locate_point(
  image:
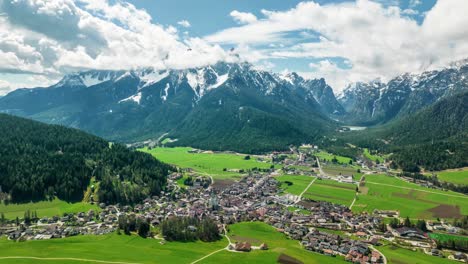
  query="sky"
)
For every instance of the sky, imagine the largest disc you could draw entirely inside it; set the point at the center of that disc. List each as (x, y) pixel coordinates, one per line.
(342, 41)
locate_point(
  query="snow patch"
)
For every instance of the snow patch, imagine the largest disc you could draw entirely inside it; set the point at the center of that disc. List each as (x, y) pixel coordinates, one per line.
(219, 81)
(135, 98)
(166, 92)
(153, 77)
(91, 80)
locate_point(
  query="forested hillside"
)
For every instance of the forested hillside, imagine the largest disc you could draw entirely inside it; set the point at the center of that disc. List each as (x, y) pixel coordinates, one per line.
(434, 138)
(40, 161)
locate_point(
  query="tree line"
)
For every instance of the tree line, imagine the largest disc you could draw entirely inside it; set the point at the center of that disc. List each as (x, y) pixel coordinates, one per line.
(186, 229)
(42, 161)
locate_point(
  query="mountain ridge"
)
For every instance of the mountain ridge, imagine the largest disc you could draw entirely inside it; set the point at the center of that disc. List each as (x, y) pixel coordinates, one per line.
(142, 104)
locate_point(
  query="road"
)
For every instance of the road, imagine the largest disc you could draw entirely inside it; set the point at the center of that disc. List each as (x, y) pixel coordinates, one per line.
(418, 190)
(322, 173)
(219, 250)
(70, 259)
(305, 190)
(384, 258)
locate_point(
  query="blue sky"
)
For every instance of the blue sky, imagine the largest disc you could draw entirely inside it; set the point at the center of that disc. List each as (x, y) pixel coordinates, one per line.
(343, 41)
(208, 16)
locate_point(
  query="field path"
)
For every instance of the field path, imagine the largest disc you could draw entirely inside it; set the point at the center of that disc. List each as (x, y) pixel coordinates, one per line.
(70, 259)
(351, 206)
(322, 173)
(305, 190)
(383, 256)
(418, 190)
(219, 250)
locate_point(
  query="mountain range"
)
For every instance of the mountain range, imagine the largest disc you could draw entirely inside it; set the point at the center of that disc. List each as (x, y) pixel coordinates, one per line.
(227, 105)
(377, 102)
(219, 106)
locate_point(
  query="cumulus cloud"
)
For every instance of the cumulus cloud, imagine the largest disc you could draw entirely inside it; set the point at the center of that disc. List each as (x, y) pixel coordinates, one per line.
(46, 39)
(243, 17)
(414, 3)
(184, 23)
(378, 40)
(4, 87)
(55, 37)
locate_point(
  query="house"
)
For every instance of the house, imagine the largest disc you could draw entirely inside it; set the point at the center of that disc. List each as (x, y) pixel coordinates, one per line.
(243, 246)
(460, 256)
(409, 232)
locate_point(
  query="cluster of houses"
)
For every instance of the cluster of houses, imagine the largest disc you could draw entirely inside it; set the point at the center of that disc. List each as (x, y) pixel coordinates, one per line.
(256, 197)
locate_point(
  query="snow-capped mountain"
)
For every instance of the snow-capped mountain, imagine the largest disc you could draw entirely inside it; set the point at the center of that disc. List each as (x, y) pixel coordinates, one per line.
(235, 102)
(377, 102)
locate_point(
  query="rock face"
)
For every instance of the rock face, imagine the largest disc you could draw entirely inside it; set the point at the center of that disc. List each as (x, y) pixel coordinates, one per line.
(221, 106)
(377, 102)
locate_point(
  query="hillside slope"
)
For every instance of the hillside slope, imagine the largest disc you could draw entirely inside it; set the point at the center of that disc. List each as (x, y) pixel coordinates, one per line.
(42, 161)
(434, 138)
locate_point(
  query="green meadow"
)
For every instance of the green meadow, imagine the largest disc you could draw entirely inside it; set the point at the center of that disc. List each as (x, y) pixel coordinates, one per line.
(404, 256)
(336, 170)
(322, 155)
(113, 247)
(45, 208)
(278, 243)
(331, 191)
(206, 163)
(445, 237)
(134, 249)
(459, 176)
(372, 157)
(390, 193)
(299, 183)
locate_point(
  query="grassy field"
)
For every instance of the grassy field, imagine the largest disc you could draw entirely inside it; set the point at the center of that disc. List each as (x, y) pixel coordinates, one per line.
(405, 256)
(122, 248)
(372, 157)
(205, 163)
(331, 191)
(257, 233)
(45, 208)
(336, 170)
(299, 183)
(445, 237)
(459, 176)
(109, 248)
(322, 155)
(390, 193)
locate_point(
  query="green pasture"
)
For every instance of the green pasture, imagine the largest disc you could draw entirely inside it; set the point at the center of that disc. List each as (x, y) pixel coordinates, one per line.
(412, 200)
(45, 208)
(299, 183)
(206, 163)
(331, 191)
(399, 255)
(459, 176)
(278, 243)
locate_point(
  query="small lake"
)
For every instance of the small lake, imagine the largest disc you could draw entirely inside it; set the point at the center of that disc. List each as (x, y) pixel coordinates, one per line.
(355, 128)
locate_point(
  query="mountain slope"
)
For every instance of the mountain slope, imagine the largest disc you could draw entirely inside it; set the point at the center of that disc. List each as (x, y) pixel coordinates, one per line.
(445, 119)
(434, 138)
(42, 161)
(377, 103)
(220, 106)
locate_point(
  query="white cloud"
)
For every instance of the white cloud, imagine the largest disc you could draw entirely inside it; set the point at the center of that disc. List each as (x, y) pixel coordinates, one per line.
(410, 12)
(184, 23)
(55, 37)
(414, 3)
(379, 41)
(5, 87)
(243, 17)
